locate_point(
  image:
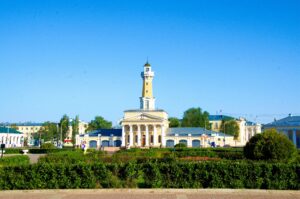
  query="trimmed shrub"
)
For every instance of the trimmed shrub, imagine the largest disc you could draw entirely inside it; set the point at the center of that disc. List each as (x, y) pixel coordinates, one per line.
(180, 145)
(152, 174)
(13, 151)
(47, 146)
(270, 145)
(14, 160)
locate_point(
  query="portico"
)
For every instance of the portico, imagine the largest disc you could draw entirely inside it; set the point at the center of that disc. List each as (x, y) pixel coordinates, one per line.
(144, 129)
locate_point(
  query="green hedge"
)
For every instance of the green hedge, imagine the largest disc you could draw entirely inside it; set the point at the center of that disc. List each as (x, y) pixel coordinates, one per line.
(14, 160)
(42, 151)
(224, 153)
(152, 174)
(13, 151)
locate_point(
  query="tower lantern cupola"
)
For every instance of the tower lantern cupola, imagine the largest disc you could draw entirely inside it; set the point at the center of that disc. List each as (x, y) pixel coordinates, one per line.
(147, 101)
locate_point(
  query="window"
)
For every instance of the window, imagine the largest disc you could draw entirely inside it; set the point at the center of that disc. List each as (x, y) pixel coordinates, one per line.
(159, 138)
(146, 91)
(147, 69)
(136, 138)
(151, 139)
(147, 83)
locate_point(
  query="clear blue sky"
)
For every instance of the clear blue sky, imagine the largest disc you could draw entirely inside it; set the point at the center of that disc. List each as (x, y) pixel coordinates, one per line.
(85, 57)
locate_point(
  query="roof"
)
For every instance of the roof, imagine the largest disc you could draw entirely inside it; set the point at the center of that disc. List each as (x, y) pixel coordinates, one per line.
(194, 131)
(219, 117)
(29, 124)
(143, 110)
(9, 130)
(105, 132)
(288, 121)
(147, 64)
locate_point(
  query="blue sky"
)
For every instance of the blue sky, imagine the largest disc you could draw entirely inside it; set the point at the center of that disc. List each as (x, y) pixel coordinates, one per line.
(85, 57)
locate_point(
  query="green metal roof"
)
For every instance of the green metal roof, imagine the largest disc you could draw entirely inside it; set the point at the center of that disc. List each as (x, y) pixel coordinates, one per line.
(9, 130)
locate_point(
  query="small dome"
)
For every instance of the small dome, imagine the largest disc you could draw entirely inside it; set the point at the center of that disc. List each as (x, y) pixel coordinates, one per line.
(147, 64)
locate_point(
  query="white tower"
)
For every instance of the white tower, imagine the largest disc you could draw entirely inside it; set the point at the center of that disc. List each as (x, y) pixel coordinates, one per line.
(147, 100)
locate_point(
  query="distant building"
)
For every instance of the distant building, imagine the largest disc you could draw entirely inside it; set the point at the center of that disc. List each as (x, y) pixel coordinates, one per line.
(11, 137)
(247, 128)
(100, 138)
(29, 129)
(290, 126)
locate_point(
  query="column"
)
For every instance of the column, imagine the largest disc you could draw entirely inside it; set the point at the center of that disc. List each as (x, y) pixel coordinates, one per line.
(86, 139)
(123, 136)
(139, 136)
(99, 141)
(131, 135)
(294, 137)
(76, 140)
(147, 136)
(189, 141)
(154, 135)
(163, 136)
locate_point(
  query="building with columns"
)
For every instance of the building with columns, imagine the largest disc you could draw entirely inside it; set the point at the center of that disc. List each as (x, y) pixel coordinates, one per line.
(11, 137)
(290, 126)
(149, 127)
(145, 127)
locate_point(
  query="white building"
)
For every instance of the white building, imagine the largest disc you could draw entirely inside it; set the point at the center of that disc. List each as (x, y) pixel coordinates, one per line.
(11, 137)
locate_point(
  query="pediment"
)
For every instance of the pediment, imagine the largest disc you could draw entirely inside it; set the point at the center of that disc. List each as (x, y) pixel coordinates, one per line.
(144, 117)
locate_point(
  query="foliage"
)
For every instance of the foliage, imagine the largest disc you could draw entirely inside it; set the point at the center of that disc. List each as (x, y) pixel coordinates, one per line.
(99, 123)
(152, 174)
(64, 127)
(47, 151)
(194, 117)
(174, 122)
(49, 131)
(14, 160)
(47, 146)
(180, 145)
(72, 157)
(13, 150)
(270, 145)
(230, 127)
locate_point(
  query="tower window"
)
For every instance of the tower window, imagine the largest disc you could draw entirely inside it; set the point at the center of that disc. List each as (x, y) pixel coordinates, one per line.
(147, 69)
(146, 91)
(147, 83)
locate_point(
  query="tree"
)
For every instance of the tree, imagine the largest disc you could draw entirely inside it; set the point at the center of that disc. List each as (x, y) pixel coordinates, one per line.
(230, 127)
(48, 131)
(194, 117)
(270, 145)
(64, 126)
(174, 122)
(99, 123)
(75, 128)
(14, 126)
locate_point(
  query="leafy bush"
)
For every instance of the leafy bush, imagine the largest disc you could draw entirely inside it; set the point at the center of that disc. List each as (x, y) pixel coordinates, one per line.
(55, 150)
(13, 151)
(47, 146)
(180, 145)
(153, 174)
(72, 157)
(14, 160)
(270, 145)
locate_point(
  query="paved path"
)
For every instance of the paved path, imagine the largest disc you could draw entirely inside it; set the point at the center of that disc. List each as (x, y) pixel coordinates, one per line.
(150, 194)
